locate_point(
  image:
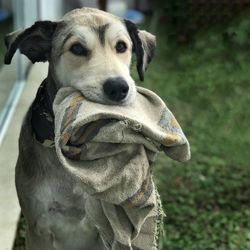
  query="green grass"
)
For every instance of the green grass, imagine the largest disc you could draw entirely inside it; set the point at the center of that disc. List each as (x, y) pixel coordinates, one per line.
(207, 86)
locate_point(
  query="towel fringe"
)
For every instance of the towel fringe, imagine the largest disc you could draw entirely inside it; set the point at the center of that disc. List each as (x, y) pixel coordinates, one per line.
(159, 221)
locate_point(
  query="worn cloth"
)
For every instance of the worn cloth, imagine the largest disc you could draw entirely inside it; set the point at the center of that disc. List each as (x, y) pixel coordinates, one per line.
(110, 150)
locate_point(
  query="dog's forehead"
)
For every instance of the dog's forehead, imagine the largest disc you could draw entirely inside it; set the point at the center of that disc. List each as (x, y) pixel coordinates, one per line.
(89, 17)
(82, 22)
(110, 29)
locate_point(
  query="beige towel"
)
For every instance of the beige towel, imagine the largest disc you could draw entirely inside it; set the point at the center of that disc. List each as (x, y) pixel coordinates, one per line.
(110, 150)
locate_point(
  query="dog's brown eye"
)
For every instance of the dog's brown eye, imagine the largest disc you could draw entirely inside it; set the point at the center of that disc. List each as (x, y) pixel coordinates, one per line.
(121, 47)
(79, 50)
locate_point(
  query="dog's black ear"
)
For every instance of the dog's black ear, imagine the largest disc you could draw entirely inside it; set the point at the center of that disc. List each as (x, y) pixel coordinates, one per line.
(144, 45)
(34, 42)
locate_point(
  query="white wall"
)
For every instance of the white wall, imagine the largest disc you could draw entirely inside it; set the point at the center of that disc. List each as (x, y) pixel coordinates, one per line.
(30, 11)
(50, 9)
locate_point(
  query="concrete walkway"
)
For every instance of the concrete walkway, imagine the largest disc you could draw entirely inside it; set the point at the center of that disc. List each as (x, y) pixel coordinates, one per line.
(7, 80)
(9, 207)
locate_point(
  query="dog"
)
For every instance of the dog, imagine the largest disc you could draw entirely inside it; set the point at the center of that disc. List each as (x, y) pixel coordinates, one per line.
(91, 51)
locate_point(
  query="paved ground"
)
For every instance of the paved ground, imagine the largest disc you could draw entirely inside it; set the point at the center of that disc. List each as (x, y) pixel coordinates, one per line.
(7, 80)
(9, 207)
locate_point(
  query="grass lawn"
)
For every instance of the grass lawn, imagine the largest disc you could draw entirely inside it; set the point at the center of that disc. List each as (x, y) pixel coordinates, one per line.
(207, 86)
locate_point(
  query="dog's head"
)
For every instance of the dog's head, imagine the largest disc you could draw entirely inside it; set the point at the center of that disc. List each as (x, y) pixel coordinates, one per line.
(89, 50)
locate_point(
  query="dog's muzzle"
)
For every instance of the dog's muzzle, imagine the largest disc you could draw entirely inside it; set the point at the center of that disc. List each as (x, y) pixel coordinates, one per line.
(116, 89)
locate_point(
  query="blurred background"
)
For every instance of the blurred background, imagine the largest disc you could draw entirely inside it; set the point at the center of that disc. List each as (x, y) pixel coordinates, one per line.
(202, 71)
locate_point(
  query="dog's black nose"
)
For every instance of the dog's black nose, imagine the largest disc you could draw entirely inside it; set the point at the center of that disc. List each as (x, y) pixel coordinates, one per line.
(116, 88)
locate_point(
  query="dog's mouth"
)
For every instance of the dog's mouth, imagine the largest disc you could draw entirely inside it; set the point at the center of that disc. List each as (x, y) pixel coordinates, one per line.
(102, 98)
(97, 98)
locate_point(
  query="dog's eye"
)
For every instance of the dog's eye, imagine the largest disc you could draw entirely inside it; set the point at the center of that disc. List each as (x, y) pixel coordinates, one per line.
(79, 50)
(121, 47)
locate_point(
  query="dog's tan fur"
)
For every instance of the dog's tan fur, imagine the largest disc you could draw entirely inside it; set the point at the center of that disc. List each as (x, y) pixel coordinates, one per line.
(88, 74)
(52, 203)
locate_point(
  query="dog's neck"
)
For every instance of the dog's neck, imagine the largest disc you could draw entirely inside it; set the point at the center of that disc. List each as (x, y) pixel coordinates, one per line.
(52, 85)
(42, 116)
